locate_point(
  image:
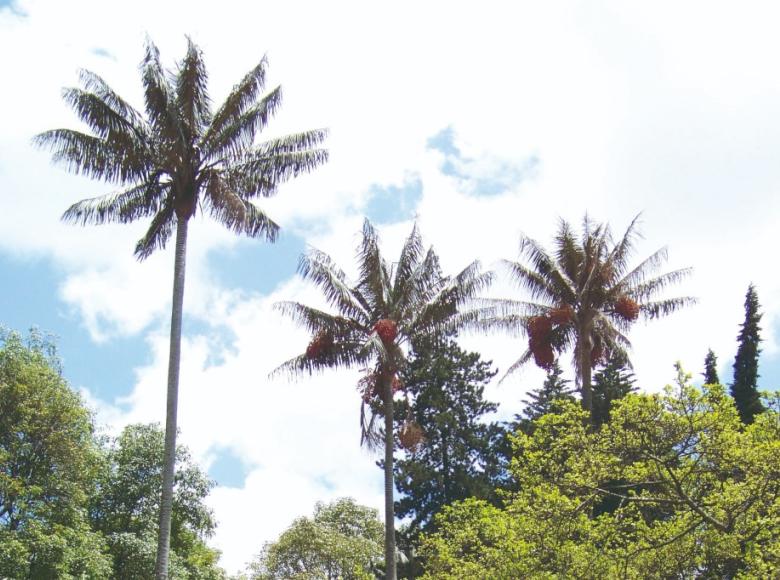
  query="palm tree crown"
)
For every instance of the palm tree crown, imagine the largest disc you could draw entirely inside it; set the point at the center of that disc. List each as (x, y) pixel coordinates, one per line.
(584, 296)
(182, 156)
(375, 321)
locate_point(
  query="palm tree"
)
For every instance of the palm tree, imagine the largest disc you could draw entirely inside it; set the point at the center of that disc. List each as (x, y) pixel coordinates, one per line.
(584, 297)
(182, 157)
(376, 320)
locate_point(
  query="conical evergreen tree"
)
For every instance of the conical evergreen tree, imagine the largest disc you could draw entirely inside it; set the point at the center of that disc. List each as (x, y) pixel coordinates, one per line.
(614, 381)
(541, 401)
(710, 373)
(744, 389)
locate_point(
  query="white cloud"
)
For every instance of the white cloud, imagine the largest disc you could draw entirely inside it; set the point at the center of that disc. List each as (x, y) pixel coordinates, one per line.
(667, 109)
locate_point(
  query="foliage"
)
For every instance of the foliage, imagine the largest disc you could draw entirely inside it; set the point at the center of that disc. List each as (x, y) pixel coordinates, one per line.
(710, 373)
(48, 460)
(385, 311)
(700, 497)
(610, 383)
(343, 540)
(744, 389)
(127, 503)
(586, 297)
(458, 456)
(182, 155)
(544, 400)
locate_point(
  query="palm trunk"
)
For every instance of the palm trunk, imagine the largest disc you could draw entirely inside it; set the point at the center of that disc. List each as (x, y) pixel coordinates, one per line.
(584, 349)
(387, 390)
(174, 360)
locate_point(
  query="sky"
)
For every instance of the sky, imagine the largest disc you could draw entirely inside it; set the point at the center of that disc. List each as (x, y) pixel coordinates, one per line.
(479, 121)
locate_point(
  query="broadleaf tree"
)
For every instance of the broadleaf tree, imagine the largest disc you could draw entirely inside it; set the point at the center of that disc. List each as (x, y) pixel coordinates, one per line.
(180, 157)
(48, 463)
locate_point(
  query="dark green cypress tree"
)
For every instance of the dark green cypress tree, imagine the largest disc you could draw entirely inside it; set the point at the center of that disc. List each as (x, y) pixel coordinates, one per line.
(710, 373)
(541, 401)
(612, 382)
(744, 389)
(459, 456)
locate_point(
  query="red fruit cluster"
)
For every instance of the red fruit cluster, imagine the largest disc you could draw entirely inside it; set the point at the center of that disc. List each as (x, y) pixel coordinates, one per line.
(562, 315)
(627, 308)
(387, 330)
(410, 435)
(544, 355)
(320, 344)
(539, 329)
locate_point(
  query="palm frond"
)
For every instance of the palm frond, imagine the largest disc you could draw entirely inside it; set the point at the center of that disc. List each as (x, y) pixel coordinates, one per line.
(314, 321)
(556, 287)
(159, 99)
(237, 136)
(371, 433)
(93, 83)
(320, 268)
(618, 257)
(650, 264)
(143, 200)
(258, 174)
(159, 232)
(649, 288)
(243, 95)
(517, 365)
(192, 95)
(408, 262)
(568, 253)
(659, 308)
(238, 215)
(121, 128)
(94, 157)
(373, 283)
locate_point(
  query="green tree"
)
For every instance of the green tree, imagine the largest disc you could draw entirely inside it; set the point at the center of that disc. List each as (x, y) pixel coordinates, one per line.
(388, 309)
(610, 383)
(48, 463)
(744, 389)
(342, 541)
(711, 369)
(585, 297)
(544, 399)
(181, 157)
(456, 457)
(127, 502)
(700, 498)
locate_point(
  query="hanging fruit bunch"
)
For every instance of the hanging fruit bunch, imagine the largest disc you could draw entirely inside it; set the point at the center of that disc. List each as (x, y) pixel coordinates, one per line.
(319, 345)
(562, 315)
(387, 330)
(410, 435)
(539, 341)
(627, 308)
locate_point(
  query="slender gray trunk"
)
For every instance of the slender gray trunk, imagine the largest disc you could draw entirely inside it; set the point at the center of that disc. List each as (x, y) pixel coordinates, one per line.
(387, 390)
(174, 359)
(585, 347)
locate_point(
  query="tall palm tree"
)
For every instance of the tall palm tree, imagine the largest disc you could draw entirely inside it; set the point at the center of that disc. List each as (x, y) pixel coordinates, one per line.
(180, 158)
(376, 320)
(584, 296)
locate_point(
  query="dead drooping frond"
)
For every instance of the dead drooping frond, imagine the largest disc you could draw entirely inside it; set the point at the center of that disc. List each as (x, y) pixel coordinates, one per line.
(180, 155)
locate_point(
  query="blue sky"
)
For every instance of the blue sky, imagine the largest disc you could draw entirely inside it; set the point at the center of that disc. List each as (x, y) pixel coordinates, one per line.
(545, 112)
